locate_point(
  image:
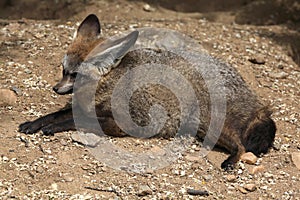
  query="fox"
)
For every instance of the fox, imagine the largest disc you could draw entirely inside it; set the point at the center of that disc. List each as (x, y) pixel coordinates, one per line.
(248, 126)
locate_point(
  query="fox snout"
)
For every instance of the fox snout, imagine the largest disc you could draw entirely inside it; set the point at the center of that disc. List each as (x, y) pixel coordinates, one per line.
(65, 85)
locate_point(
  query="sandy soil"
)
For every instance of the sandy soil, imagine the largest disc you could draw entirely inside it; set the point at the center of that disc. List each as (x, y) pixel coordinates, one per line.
(55, 167)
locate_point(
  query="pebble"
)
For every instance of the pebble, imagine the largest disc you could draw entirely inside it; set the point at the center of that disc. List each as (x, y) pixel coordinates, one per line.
(197, 192)
(268, 175)
(278, 75)
(258, 60)
(250, 187)
(144, 190)
(230, 178)
(17, 90)
(68, 179)
(276, 146)
(5, 159)
(148, 8)
(249, 158)
(207, 177)
(54, 186)
(27, 71)
(40, 170)
(192, 158)
(7, 97)
(158, 151)
(242, 190)
(296, 159)
(257, 169)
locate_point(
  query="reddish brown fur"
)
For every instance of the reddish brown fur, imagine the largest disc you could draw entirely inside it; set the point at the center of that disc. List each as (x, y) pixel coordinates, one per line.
(81, 46)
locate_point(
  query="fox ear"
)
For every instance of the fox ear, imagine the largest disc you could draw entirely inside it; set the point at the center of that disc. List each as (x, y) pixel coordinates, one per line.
(108, 55)
(90, 27)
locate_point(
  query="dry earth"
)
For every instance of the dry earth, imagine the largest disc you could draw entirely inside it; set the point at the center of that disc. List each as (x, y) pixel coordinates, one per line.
(55, 167)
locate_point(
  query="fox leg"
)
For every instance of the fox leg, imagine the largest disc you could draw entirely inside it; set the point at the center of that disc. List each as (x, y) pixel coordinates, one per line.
(31, 127)
(233, 144)
(86, 124)
(67, 125)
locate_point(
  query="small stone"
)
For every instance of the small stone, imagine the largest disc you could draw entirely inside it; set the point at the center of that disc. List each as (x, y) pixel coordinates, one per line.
(39, 169)
(278, 75)
(63, 142)
(276, 146)
(242, 190)
(197, 192)
(7, 97)
(144, 190)
(280, 66)
(207, 177)
(27, 71)
(182, 173)
(148, 8)
(250, 187)
(231, 188)
(88, 139)
(54, 186)
(5, 159)
(257, 169)
(158, 151)
(192, 158)
(249, 158)
(259, 60)
(17, 90)
(230, 178)
(268, 175)
(296, 159)
(68, 179)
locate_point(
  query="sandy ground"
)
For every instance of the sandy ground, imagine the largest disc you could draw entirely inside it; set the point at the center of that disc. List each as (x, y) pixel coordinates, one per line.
(55, 167)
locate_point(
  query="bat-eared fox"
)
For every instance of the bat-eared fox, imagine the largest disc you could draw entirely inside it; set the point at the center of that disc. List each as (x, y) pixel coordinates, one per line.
(247, 127)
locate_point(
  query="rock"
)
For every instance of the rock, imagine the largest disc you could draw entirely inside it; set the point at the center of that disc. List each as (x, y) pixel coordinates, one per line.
(27, 71)
(250, 187)
(276, 146)
(296, 159)
(54, 186)
(258, 60)
(207, 177)
(192, 158)
(158, 151)
(17, 90)
(230, 178)
(182, 173)
(88, 139)
(278, 75)
(242, 190)
(148, 8)
(268, 175)
(197, 192)
(5, 159)
(257, 169)
(40, 169)
(144, 190)
(68, 179)
(7, 97)
(249, 158)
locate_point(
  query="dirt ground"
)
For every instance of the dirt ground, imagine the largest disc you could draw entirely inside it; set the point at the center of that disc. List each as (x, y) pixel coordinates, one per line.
(55, 167)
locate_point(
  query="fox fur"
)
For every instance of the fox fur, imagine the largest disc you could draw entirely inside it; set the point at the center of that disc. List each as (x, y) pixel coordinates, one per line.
(248, 125)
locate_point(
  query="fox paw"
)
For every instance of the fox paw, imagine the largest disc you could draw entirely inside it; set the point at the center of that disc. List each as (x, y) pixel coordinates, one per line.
(228, 165)
(48, 130)
(28, 128)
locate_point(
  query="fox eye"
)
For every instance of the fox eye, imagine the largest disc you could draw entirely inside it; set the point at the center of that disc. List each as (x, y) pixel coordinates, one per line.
(73, 75)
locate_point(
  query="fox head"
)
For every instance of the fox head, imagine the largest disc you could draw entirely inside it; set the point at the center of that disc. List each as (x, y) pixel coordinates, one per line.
(91, 55)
